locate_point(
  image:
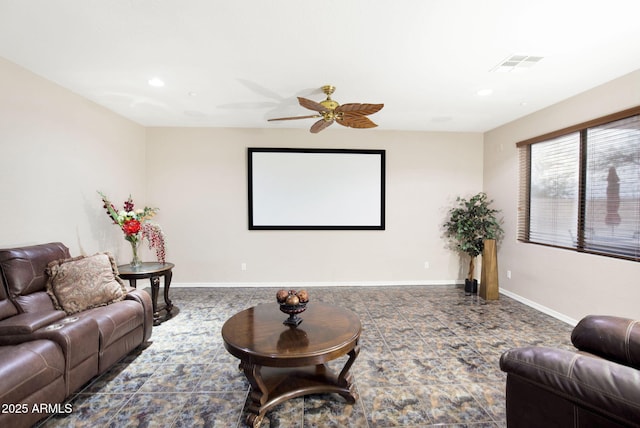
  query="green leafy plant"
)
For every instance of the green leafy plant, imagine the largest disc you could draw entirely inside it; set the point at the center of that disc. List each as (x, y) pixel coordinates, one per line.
(470, 223)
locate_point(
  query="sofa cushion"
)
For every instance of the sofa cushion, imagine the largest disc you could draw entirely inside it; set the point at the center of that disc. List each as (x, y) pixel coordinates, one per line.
(35, 302)
(7, 308)
(84, 282)
(610, 337)
(116, 321)
(23, 269)
(28, 367)
(121, 328)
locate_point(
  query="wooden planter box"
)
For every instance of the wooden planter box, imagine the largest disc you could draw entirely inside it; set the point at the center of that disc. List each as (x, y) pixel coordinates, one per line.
(489, 289)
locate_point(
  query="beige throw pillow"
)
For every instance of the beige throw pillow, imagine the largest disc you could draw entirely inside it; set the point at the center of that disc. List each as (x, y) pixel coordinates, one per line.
(84, 282)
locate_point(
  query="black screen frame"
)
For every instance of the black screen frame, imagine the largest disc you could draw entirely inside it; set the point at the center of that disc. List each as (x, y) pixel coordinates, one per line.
(378, 225)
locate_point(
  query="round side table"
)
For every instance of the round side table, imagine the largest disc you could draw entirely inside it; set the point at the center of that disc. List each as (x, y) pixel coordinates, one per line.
(153, 271)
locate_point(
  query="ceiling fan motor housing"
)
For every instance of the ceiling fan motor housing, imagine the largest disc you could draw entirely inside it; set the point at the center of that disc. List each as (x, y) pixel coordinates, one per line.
(329, 103)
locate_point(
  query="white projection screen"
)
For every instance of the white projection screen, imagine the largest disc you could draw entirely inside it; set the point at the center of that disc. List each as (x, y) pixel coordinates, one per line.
(316, 189)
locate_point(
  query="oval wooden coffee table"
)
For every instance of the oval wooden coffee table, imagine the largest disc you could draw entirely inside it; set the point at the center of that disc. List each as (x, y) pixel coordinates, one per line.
(283, 362)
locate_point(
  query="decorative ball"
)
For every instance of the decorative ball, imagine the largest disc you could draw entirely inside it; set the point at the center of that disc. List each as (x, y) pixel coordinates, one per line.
(282, 295)
(292, 300)
(303, 296)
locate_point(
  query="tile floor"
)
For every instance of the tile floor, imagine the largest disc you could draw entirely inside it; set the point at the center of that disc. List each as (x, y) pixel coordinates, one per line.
(429, 356)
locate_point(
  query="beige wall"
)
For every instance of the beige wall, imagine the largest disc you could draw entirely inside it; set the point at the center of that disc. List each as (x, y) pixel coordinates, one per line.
(57, 150)
(199, 179)
(563, 281)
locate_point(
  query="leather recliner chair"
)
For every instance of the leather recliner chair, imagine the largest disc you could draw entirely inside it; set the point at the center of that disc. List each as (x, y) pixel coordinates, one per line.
(597, 385)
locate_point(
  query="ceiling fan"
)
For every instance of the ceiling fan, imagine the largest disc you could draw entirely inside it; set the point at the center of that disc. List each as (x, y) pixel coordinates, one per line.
(353, 115)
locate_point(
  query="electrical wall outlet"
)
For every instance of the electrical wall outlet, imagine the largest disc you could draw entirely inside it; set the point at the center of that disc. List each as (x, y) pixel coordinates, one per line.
(508, 274)
(426, 265)
(243, 266)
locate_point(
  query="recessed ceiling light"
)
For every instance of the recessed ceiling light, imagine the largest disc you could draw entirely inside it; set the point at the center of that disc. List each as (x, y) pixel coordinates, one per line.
(156, 82)
(484, 92)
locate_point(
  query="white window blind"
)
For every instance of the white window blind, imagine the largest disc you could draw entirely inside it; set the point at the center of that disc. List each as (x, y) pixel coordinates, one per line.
(580, 187)
(554, 190)
(612, 197)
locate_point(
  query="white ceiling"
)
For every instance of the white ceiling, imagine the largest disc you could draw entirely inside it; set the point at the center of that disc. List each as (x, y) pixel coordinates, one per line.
(238, 63)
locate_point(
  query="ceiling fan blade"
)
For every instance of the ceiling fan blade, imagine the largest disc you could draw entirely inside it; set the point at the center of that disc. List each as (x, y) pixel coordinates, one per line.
(320, 125)
(294, 117)
(360, 109)
(311, 105)
(355, 120)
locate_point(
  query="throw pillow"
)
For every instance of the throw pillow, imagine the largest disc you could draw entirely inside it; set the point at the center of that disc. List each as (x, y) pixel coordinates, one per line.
(84, 282)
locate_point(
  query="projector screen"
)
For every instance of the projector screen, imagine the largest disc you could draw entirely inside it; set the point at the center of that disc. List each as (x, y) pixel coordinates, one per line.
(322, 189)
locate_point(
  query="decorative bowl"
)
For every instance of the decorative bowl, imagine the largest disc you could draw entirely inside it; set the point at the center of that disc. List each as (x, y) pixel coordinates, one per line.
(293, 311)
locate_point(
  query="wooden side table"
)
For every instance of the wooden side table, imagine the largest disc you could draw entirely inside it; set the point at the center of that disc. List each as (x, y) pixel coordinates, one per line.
(153, 271)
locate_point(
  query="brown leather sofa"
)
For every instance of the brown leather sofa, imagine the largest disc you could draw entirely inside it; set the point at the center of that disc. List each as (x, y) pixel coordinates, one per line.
(47, 355)
(598, 385)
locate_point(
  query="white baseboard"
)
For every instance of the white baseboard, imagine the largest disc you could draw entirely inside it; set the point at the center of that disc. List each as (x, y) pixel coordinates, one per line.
(312, 284)
(539, 307)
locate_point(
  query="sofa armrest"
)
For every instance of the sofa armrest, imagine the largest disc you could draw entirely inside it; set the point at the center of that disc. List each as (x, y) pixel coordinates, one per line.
(27, 323)
(610, 337)
(144, 299)
(594, 383)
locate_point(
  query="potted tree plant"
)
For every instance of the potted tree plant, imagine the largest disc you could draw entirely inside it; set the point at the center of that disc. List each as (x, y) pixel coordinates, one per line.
(469, 224)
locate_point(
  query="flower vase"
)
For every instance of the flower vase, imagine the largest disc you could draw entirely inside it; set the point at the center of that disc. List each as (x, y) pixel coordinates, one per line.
(135, 261)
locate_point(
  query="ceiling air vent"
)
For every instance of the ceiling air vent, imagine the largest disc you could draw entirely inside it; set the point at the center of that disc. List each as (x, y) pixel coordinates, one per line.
(517, 63)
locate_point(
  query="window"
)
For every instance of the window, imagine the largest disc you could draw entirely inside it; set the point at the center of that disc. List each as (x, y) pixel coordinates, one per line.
(580, 187)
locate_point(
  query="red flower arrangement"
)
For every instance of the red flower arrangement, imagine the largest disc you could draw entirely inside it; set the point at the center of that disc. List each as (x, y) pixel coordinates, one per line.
(134, 223)
(131, 227)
